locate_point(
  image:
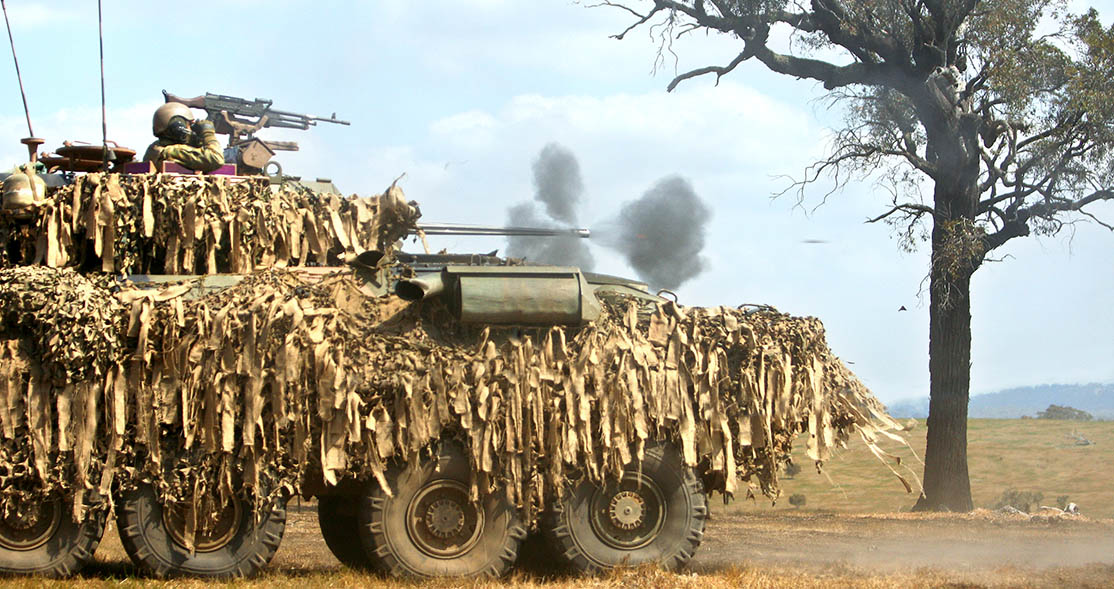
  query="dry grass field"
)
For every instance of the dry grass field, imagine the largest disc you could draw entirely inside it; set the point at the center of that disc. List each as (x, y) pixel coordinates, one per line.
(853, 530)
(1035, 455)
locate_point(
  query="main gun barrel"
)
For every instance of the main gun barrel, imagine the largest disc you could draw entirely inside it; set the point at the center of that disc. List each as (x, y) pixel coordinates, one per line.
(459, 229)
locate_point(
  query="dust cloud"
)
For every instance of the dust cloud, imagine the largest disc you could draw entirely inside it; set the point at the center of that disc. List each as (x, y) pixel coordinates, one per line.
(894, 542)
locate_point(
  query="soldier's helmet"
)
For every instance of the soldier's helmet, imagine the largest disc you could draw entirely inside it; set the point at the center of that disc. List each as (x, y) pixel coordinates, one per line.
(21, 190)
(166, 113)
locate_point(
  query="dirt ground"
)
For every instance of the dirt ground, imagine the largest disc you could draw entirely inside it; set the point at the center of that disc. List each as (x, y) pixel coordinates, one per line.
(982, 549)
(894, 542)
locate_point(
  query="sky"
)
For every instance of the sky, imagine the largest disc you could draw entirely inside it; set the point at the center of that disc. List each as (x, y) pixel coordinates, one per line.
(460, 97)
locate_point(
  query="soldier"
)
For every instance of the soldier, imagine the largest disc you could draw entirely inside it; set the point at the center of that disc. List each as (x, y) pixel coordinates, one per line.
(181, 140)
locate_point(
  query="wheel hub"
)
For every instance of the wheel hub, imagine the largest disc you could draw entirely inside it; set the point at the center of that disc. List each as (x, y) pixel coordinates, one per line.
(630, 514)
(27, 529)
(215, 528)
(442, 521)
(445, 518)
(626, 510)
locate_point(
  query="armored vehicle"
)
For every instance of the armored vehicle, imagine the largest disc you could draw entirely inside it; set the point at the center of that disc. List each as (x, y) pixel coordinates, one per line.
(191, 351)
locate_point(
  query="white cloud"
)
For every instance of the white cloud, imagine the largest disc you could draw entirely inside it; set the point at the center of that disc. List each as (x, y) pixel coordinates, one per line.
(467, 131)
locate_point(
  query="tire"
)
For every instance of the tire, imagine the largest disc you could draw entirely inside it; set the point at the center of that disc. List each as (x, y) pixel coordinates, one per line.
(653, 516)
(53, 545)
(240, 548)
(535, 556)
(453, 537)
(336, 516)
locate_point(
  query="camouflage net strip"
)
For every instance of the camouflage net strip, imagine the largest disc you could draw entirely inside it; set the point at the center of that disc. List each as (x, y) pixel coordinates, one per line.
(174, 224)
(279, 380)
(59, 334)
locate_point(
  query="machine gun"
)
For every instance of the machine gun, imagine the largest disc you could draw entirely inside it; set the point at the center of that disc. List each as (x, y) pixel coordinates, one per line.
(240, 118)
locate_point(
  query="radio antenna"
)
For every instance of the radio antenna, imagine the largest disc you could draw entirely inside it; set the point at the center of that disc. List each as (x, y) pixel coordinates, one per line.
(105, 154)
(30, 141)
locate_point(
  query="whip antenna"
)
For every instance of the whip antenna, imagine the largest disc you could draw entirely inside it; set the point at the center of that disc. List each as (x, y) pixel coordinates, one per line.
(30, 141)
(105, 154)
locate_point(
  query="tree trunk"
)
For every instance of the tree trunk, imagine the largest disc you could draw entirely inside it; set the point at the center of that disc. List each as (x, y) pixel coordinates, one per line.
(947, 485)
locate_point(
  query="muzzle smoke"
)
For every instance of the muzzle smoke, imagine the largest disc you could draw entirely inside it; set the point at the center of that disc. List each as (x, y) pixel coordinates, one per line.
(557, 182)
(661, 234)
(557, 185)
(563, 250)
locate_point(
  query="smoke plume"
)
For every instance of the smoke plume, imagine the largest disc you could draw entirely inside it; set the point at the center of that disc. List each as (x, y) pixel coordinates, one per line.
(662, 233)
(564, 250)
(558, 186)
(557, 182)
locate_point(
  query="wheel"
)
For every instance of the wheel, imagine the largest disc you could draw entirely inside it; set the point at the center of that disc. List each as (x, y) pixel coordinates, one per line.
(336, 516)
(655, 514)
(44, 539)
(234, 543)
(430, 528)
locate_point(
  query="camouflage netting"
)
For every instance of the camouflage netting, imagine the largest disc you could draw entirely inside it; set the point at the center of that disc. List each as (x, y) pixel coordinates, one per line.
(280, 380)
(58, 342)
(294, 377)
(173, 224)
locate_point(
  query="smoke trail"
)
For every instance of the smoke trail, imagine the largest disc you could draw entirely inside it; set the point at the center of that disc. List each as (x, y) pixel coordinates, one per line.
(662, 233)
(558, 186)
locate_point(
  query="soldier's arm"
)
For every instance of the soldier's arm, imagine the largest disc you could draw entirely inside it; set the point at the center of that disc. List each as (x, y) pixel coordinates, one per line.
(153, 152)
(206, 158)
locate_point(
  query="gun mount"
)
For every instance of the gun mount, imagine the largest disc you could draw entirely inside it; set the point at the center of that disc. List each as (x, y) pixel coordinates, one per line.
(240, 118)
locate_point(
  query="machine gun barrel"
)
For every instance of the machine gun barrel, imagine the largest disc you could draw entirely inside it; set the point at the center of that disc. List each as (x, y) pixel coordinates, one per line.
(458, 229)
(292, 120)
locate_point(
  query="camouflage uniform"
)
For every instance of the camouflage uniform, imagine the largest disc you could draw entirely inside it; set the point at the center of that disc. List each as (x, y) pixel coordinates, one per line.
(205, 158)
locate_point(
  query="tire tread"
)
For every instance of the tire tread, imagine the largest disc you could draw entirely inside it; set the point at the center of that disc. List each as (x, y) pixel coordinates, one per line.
(338, 533)
(130, 526)
(70, 561)
(377, 546)
(561, 534)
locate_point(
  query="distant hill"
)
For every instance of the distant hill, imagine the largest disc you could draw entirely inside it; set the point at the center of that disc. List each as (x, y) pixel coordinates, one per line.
(1095, 398)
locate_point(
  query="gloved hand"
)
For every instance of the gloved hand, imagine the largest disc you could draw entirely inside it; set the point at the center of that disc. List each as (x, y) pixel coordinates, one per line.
(200, 127)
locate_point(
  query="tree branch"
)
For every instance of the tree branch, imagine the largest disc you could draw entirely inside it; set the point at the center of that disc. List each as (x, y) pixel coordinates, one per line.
(833, 76)
(642, 19)
(1018, 225)
(911, 209)
(712, 69)
(1048, 208)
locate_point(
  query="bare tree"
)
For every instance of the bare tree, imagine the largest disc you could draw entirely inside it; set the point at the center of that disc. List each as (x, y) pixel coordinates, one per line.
(986, 120)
